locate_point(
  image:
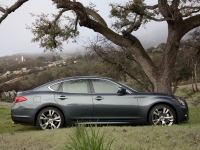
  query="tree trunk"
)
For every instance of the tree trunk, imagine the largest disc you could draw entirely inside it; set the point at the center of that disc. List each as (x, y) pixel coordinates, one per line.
(195, 76)
(161, 76)
(193, 81)
(163, 84)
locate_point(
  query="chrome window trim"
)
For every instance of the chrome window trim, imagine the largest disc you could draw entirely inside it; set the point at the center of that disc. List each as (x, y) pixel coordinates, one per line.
(49, 87)
(111, 82)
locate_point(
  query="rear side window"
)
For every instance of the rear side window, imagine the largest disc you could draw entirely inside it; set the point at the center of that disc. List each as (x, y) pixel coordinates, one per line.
(54, 87)
(75, 86)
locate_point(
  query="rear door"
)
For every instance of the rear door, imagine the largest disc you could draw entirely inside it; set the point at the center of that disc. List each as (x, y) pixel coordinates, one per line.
(110, 105)
(75, 98)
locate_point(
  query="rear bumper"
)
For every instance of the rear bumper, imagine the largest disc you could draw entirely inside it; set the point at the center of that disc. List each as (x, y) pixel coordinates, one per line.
(22, 115)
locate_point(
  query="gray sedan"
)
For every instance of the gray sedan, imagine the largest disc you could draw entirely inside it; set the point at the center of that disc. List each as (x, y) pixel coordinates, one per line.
(95, 100)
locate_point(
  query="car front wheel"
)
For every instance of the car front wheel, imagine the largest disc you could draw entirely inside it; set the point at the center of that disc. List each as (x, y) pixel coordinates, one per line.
(50, 118)
(162, 115)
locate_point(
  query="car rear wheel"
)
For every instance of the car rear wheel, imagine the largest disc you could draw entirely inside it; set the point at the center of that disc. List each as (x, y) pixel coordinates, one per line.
(162, 115)
(50, 118)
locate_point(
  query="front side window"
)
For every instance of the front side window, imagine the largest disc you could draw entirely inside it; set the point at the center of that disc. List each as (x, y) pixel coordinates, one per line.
(104, 86)
(75, 86)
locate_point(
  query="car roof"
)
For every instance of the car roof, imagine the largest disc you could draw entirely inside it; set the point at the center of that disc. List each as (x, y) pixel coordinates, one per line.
(71, 78)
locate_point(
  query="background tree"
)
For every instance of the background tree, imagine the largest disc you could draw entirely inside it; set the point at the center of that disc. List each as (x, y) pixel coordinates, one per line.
(192, 46)
(180, 16)
(39, 62)
(120, 60)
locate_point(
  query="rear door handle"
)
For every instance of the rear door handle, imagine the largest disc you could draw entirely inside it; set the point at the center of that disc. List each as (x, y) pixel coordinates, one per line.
(98, 98)
(62, 97)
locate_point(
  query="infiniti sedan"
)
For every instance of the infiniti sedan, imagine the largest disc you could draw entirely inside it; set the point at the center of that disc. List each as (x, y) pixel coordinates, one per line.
(95, 100)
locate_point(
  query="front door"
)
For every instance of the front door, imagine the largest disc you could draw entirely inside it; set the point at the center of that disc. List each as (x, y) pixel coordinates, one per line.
(110, 105)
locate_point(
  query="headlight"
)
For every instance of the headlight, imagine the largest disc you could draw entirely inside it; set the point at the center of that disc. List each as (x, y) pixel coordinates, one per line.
(178, 100)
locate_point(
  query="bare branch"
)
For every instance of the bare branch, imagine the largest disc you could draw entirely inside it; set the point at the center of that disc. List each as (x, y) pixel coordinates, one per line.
(151, 7)
(189, 7)
(18, 4)
(60, 14)
(135, 26)
(159, 19)
(2, 10)
(189, 14)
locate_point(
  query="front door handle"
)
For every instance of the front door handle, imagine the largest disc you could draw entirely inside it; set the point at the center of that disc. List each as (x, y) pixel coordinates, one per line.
(62, 97)
(98, 98)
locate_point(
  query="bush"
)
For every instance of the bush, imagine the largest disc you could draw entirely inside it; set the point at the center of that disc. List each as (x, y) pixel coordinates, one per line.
(84, 138)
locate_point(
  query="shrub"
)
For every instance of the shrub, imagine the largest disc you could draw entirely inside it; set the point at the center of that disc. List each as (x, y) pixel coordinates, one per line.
(90, 138)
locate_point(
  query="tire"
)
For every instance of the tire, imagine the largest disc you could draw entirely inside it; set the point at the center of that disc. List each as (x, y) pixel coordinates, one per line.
(50, 118)
(162, 115)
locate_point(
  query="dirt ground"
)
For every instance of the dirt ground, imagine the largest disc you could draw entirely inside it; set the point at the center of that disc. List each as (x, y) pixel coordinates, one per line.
(5, 104)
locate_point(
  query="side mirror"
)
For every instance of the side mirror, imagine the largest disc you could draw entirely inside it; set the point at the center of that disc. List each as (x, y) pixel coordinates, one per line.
(121, 90)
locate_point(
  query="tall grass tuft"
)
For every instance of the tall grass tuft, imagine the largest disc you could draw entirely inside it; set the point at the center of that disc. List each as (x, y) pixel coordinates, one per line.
(89, 138)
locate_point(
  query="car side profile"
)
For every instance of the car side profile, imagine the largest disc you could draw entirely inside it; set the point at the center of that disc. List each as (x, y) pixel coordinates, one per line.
(95, 100)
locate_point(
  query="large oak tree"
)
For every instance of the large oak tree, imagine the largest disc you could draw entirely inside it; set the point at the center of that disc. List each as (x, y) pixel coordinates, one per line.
(181, 17)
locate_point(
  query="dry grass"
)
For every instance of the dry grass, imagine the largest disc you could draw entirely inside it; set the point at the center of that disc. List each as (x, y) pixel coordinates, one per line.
(181, 137)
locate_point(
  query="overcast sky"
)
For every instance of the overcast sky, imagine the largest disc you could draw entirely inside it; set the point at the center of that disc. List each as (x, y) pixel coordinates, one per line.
(15, 38)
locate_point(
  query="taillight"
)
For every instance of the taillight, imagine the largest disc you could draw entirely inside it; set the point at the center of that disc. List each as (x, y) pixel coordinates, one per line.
(19, 99)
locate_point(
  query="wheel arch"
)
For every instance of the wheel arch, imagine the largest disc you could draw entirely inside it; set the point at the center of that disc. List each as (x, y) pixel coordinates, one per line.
(160, 103)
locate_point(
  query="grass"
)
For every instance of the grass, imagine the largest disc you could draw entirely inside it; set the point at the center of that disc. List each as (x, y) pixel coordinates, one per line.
(6, 125)
(182, 136)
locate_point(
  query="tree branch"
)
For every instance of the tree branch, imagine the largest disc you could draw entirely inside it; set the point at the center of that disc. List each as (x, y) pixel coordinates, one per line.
(84, 20)
(159, 19)
(122, 69)
(188, 24)
(60, 14)
(164, 8)
(2, 10)
(18, 4)
(151, 7)
(96, 16)
(128, 41)
(189, 7)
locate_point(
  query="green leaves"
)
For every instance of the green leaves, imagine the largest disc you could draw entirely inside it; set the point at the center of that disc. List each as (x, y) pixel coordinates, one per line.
(50, 32)
(131, 15)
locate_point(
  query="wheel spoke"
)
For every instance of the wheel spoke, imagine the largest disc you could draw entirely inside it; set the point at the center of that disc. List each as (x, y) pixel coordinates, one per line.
(57, 119)
(163, 122)
(51, 112)
(165, 110)
(44, 126)
(43, 117)
(169, 117)
(156, 112)
(53, 126)
(156, 121)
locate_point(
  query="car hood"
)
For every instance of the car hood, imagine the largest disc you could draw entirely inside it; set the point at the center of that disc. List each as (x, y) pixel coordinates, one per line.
(154, 94)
